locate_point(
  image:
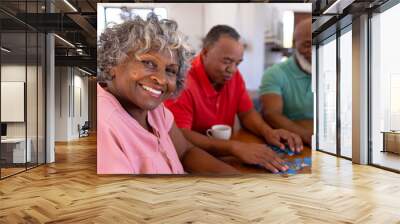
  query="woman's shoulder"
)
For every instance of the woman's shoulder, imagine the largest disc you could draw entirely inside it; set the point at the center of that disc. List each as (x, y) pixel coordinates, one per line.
(108, 107)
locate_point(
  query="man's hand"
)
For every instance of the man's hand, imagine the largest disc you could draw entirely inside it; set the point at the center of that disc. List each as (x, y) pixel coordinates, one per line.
(307, 132)
(280, 137)
(258, 154)
(306, 137)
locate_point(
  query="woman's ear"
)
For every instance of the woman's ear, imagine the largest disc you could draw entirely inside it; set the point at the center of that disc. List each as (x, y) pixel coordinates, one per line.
(112, 73)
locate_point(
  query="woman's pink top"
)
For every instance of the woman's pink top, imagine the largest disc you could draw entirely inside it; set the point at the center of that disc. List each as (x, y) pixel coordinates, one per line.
(125, 147)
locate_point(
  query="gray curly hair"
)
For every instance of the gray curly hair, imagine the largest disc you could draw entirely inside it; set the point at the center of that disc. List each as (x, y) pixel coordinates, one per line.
(138, 36)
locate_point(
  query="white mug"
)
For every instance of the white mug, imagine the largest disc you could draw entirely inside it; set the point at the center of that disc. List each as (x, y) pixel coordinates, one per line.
(220, 131)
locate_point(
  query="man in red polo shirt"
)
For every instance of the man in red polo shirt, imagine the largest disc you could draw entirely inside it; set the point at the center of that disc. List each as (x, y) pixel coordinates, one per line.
(215, 92)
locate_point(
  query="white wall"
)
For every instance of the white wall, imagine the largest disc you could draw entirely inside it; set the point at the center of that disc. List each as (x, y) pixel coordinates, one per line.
(12, 101)
(33, 126)
(188, 15)
(252, 27)
(221, 13)
(67, 117)
(249, 19)
(12, 73)
(80, 103)
(62, 81)
(190, 18)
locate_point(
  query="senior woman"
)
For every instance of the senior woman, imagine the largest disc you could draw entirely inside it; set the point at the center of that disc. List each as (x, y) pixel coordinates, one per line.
(141, 64)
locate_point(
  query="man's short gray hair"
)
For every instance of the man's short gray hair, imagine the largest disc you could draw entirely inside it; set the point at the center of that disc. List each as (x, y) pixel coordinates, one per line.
(138, 36)
(217, 31)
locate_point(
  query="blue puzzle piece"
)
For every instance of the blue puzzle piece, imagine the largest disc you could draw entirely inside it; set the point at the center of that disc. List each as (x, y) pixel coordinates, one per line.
(307, 161)
(287, 163)
(285, 151)
(289, 171)
(295, 165)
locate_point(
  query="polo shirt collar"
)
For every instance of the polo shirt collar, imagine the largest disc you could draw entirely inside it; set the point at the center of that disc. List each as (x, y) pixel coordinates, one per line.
(201, 76)
(297, 72)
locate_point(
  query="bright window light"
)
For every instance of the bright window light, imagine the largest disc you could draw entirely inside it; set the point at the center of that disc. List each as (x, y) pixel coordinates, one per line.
(160, 12)
(288, 28)
(84, 71)
(141, 12)
(71, 6)
(65, 41)
(119, 15)
(5, 50)
(113, 16)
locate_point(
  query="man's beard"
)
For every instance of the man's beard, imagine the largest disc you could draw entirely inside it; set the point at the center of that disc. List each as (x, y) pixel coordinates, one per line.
(303, 62)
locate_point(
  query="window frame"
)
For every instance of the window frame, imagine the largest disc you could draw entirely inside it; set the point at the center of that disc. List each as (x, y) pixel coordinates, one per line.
(346, 24)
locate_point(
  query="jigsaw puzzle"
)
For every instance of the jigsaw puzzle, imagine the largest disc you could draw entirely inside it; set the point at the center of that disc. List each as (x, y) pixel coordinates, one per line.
(284, 151)
(296, 165)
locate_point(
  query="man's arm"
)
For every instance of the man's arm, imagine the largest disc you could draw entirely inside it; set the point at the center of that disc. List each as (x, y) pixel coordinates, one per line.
(217, 147)
(250, 153)
(252, 121)
(196, 160)
(272, 107)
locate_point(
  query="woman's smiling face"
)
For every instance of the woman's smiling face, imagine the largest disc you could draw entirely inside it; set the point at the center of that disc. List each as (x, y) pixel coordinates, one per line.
(146, 81)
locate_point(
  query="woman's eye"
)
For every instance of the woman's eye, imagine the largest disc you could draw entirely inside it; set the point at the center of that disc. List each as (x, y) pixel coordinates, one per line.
(149, 64)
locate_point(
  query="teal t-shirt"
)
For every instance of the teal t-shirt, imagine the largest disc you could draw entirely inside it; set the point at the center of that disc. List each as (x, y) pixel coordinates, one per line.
(294, 85)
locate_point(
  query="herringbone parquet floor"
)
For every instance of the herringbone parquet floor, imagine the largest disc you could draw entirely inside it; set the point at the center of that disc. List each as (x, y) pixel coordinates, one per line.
(69, 191)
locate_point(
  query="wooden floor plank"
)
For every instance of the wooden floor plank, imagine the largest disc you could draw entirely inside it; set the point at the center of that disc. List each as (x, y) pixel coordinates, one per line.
(70, 191)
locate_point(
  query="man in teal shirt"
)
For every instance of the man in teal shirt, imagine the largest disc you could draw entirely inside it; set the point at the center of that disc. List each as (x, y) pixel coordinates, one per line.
(286, 96)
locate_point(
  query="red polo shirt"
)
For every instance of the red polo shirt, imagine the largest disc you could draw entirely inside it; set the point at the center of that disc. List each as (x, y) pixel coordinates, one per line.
(200, 106)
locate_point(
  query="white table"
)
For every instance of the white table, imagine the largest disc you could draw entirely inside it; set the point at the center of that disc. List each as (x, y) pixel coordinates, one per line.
(17, 145)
